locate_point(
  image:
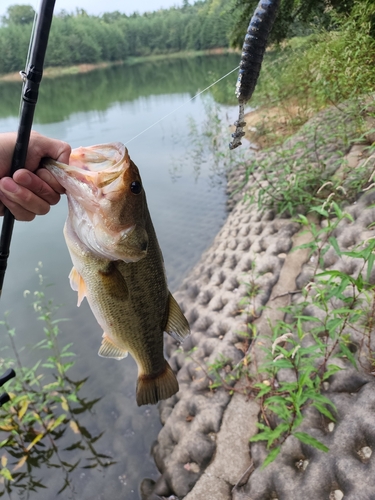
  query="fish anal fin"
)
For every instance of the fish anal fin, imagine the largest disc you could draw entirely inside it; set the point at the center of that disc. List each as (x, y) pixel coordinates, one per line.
(177, 325)
(153, 388)
(110, 350)
(77, 283)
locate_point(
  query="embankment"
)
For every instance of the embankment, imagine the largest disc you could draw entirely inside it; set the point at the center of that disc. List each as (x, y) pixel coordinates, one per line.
(252, 270)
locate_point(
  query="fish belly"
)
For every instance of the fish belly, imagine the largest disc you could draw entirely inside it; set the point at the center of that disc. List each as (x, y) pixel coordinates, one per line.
(130, 303)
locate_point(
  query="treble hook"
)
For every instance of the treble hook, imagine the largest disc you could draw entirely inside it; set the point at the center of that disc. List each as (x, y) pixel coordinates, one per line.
(10, 373)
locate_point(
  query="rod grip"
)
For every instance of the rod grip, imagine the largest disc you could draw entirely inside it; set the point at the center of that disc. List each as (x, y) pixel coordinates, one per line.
(10, 373)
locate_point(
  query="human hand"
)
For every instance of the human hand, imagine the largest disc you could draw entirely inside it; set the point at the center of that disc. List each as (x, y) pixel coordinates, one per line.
(31, 191)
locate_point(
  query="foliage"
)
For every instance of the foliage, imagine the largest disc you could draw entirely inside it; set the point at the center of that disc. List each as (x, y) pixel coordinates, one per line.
(78, 38)
(332, 66)
(308, 344)
(295, 17)
(19, 14)
(294, 178)
(315, 334)
(40, 427)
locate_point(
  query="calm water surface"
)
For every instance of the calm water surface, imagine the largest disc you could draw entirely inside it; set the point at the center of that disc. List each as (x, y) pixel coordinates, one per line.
(106, 106)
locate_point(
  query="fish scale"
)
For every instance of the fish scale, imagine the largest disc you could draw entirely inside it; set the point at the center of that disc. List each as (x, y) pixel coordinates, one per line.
(118, 264)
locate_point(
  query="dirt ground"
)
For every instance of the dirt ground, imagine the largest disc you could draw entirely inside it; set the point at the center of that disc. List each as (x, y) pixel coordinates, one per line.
(266, 126)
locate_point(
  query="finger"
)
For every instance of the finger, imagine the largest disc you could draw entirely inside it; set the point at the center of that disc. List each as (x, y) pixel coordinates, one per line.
(47, 177)
(37, 186)
(15, 194)
(19, 212)
(7, 142)
(41, 146)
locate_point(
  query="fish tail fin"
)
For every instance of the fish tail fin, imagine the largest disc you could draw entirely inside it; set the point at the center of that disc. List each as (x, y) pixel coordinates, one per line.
(153, 388)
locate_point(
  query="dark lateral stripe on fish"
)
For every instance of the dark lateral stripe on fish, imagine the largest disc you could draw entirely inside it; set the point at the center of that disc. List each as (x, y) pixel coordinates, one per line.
(151, 388)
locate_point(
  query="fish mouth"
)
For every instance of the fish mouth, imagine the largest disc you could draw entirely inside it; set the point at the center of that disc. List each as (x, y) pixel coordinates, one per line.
(104, 212)
(98, 166)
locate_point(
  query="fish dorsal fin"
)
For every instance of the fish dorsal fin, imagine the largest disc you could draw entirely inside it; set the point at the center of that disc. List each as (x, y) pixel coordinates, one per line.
(109, 350)
(77, 283)
(177, 325)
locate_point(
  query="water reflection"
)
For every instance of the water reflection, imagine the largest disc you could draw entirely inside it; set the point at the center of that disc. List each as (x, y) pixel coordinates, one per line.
(99, 89)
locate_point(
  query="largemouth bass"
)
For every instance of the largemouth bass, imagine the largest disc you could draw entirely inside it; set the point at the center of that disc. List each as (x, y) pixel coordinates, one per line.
(117, 263)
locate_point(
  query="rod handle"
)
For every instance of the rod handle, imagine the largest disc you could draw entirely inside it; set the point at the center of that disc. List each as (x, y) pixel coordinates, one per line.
(10, 373)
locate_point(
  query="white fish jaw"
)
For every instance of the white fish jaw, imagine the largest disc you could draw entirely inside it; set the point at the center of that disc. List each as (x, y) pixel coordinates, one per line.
(96, 190)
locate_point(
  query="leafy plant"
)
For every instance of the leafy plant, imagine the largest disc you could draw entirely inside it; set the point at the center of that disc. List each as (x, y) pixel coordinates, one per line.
(209, 145)
(333, 64)
(308, 343)
(292, 178)
(342, 303)
(44, 409)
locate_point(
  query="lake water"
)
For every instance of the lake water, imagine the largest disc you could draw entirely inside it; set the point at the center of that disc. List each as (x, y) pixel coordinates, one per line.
(187, 209)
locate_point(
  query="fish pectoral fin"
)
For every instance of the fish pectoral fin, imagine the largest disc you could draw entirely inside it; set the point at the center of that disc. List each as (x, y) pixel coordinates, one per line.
(77, 283)
(177, 324)
(113, 282)
(109, 350)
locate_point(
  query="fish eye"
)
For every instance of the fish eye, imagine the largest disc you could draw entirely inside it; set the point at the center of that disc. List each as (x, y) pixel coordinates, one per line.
(136, 187)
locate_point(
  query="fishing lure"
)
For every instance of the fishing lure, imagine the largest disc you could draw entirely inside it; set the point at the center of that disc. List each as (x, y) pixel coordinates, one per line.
(251, 60)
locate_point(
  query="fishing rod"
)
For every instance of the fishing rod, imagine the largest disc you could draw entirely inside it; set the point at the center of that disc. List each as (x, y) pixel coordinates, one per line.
(32, 77)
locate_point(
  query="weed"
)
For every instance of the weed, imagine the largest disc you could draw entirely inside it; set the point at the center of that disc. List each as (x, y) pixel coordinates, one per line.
(44, 408)
(248, 303)
(209, 145)
(332, 66)
(292, 178)
(313, 341)
(342, 303)
(315, 338)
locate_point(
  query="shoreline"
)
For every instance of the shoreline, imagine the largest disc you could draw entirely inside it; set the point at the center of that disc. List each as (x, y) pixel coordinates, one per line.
(203, 449)
(57, 71)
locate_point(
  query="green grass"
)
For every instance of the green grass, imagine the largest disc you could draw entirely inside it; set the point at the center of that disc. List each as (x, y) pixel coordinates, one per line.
(319, 70)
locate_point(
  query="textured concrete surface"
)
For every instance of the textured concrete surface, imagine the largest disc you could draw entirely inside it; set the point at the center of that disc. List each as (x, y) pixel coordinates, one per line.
(232, 457)
(203, 449)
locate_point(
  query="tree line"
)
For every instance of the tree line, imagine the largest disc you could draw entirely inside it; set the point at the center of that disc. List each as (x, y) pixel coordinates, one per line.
(78, 38)
(303, 17)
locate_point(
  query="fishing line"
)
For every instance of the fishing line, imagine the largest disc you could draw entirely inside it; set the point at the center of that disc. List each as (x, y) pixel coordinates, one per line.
(181, 105)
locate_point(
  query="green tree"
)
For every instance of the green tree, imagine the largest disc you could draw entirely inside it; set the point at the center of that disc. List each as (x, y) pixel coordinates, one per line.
(77, 37)
(19, 14)
(295, 17)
